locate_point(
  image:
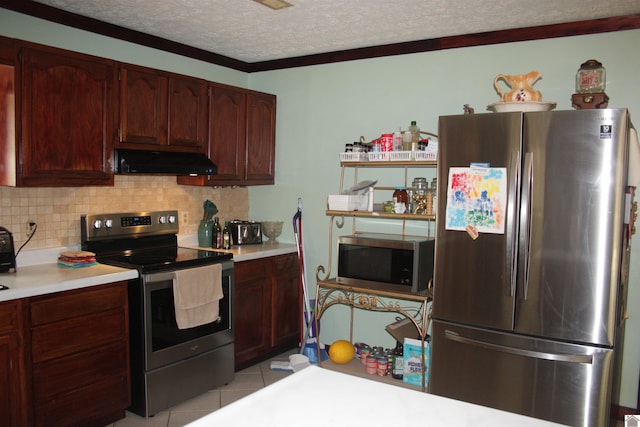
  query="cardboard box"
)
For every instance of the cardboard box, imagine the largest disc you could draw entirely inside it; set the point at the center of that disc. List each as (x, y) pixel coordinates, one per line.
(414, 370)
(401, 329)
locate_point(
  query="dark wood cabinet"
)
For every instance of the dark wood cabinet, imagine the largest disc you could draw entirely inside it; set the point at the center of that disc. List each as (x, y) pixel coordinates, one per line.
(12, 390)
(8, 62)
(162, 111)
(285, 282)
(80, 356)
(266, 307)
(242, 135)
(261, 138)
(67, 118)
(251, 304)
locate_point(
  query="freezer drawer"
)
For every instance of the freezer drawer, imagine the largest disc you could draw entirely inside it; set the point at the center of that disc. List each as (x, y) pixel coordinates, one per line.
(559, 382)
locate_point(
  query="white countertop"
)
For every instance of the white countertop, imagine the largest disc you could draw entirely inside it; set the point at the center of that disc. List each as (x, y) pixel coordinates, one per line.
(43, 279)
(320, 397)
(38, 273)
(249, 252)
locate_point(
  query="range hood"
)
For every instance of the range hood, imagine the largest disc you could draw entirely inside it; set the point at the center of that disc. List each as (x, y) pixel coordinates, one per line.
(163, 163)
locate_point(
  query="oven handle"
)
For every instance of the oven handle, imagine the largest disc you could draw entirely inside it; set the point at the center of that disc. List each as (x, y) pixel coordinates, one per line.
(161, 276)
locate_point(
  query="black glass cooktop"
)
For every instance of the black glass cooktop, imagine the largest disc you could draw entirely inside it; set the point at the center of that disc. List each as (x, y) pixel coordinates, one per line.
(162, 258)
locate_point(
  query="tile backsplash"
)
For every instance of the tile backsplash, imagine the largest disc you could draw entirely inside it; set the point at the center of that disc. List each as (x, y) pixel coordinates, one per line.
(57, 210)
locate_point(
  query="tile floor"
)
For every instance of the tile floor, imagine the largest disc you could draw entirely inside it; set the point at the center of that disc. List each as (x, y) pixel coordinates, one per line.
(245, 382)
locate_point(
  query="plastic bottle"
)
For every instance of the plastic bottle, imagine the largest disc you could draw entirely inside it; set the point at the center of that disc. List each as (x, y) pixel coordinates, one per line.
(398, 361)
(397, 140)
(415, 135)
(217, 234)
(226, 237)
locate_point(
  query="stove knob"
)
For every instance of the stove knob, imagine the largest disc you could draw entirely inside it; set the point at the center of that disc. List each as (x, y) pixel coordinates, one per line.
(162, 219)
(172, 219)
(97, 224)
(108, 223)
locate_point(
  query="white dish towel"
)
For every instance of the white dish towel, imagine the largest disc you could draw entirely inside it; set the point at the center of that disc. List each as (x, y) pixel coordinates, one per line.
(196, 295)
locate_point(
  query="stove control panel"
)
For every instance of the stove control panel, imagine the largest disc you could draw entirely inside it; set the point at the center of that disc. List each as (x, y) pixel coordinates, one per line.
(128, 224)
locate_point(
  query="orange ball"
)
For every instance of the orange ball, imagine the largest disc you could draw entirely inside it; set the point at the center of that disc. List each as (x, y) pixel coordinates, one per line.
(341, 352)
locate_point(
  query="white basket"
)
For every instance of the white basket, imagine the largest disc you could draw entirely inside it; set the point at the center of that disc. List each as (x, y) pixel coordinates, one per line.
(424, 155)
(400, 156)
(353, 157)
(379, 156)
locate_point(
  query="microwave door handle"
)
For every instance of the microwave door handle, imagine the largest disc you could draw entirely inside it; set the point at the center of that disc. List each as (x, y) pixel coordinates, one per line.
(511, 225)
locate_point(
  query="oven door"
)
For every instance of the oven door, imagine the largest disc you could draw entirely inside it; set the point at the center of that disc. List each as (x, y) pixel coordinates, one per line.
(164, 342)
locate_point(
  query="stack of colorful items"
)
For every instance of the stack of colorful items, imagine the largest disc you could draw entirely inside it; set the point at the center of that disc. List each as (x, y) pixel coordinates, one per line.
(76, 259)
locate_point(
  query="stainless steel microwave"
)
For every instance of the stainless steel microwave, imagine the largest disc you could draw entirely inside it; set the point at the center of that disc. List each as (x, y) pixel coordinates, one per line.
(386, 262)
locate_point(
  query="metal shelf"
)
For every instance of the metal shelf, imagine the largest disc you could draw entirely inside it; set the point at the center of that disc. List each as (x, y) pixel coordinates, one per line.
(386, 215)
(412, 306)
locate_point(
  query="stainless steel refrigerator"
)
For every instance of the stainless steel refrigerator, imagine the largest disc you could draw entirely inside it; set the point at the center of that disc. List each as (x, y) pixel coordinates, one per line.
(531, 261)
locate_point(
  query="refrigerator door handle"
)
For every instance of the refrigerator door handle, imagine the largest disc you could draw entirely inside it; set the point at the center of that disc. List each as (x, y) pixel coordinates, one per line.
(571, 358)
(511, 230)
(525, 223)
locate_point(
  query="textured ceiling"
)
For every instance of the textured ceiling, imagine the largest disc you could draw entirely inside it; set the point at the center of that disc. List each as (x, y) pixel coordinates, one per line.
(249, 32)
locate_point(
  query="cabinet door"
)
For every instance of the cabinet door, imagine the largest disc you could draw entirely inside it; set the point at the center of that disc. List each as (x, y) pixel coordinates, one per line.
(80, 356)
(9, 391)
(68, 119)
(188, 112)
(7, 114)
(228, 134)
(12, 402)
(285, 283)
(143, 108)
(261, 138)
(251, 304)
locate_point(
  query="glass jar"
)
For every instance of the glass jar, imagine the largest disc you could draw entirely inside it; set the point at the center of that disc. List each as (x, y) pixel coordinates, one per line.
(590, 77)
(420, 185)
(400, 196)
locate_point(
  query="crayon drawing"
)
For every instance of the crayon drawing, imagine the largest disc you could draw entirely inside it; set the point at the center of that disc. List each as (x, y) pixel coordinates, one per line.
(476, 196)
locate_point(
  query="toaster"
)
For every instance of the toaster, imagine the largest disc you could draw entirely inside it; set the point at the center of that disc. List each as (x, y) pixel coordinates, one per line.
(245, 232)
(7, 254)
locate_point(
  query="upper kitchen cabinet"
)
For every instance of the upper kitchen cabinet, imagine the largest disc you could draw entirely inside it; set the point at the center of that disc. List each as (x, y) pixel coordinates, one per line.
(261, 138)
(242, 133)
(8, 61)
(67, 126)
(162, 111)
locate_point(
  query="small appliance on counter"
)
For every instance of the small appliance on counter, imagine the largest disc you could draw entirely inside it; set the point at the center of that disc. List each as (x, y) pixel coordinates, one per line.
(245, 232)
(7, 252)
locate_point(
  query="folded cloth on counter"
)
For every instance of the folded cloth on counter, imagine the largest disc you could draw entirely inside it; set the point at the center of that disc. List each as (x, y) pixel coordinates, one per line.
(75, 259)
(196, 295)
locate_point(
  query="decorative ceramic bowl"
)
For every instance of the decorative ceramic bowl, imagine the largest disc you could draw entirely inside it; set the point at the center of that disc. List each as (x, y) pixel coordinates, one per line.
(272, 229)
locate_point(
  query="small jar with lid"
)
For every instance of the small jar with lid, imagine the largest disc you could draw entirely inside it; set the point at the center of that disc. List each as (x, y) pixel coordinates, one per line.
(400, 195)
(591, 77)
(420, 186)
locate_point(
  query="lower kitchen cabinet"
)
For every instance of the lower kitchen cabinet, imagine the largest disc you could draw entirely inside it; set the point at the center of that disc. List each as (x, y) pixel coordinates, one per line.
(266, 307)
(12, 390)
(80, 356)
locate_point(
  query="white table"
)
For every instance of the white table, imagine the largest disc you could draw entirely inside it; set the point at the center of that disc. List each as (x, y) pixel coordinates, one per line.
(321, 397)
